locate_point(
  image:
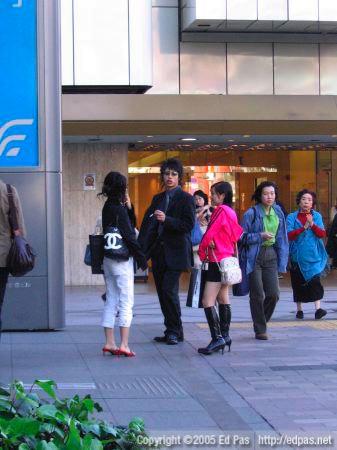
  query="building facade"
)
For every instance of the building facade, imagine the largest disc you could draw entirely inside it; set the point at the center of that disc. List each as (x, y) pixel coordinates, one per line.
(250, 84)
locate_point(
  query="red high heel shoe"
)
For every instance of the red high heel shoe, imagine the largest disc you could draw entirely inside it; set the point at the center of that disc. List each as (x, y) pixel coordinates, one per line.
(126, 354)
(114, 351)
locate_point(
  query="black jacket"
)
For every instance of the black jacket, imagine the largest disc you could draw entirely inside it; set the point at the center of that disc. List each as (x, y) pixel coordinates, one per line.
(331, 245)
(175, 239)
(115, 214)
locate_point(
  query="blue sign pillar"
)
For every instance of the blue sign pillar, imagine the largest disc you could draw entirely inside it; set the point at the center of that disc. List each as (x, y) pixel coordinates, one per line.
(30, 155)
(18, 84)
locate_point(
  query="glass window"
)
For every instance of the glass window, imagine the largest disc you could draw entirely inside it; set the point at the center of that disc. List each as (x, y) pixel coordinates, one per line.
(250, 69)
(296, 69)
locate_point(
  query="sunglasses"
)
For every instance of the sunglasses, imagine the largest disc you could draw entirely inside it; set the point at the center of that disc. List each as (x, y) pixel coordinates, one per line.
(174, 173)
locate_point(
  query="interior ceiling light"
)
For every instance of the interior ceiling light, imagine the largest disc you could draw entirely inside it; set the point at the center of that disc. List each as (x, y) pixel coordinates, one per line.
(149, 136)
(246, 135)
(188, 139)
(334, 135)
(210, 175)
(230, 140)
(232, 146)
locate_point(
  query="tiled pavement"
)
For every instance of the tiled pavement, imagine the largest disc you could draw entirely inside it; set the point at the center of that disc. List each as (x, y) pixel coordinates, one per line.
(286, 386)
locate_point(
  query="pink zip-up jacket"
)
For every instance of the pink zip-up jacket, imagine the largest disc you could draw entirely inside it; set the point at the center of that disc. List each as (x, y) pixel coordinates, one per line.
(224, 231)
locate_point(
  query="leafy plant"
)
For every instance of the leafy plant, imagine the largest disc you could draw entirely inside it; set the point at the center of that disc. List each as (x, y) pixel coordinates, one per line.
(30, 422)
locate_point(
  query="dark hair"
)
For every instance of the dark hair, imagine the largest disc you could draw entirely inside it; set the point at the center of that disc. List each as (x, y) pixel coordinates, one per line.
(201, 194)
(114, 186)
(172, 164)
(300, 194)
(258, 191)
(223, 187)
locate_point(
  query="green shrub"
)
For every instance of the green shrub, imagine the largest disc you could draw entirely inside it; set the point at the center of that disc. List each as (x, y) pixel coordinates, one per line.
(30, 422)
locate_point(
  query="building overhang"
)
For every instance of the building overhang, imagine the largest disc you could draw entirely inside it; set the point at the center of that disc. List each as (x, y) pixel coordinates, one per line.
(104, 114)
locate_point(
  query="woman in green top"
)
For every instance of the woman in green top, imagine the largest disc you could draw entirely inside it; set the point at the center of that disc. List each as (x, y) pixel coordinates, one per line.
(267, 254)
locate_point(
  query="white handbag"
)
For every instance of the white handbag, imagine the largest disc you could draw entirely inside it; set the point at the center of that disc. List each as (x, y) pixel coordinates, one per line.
(230, 269)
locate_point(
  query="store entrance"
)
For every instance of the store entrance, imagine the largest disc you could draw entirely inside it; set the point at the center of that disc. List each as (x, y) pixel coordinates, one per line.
(292, 170)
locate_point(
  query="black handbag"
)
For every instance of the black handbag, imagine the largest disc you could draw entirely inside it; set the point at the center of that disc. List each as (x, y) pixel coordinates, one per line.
(21, 256)
(96, 242)
(114, 244)
(241, 289)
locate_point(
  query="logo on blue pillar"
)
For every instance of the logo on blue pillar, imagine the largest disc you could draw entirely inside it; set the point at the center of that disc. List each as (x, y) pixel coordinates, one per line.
(18, 84)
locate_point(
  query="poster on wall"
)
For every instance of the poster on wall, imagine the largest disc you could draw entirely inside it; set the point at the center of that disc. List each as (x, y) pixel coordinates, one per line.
(18, 84)
(89, 182)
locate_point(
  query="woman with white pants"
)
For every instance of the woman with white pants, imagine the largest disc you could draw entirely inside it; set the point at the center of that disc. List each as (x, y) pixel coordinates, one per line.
(118, 269)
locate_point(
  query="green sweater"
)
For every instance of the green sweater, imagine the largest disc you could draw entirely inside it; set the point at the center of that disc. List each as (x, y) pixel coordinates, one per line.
(271, 223)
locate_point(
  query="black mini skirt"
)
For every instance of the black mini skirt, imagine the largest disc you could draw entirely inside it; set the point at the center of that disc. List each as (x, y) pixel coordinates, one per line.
(213, 273)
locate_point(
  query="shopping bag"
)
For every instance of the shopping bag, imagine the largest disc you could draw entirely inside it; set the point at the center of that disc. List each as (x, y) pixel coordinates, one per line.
(196, 288)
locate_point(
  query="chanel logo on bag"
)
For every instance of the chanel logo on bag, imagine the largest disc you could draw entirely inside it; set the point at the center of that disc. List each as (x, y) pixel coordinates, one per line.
(111, 241)
(114, 245)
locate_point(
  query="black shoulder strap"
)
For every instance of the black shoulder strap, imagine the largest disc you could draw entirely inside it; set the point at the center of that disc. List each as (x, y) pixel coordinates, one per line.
(13, 220)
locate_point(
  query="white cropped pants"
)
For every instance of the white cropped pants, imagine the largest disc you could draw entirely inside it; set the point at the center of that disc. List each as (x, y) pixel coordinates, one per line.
(119, 282)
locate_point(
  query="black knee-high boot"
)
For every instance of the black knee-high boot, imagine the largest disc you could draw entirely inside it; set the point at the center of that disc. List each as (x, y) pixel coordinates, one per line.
(225, 315)
(217, 343)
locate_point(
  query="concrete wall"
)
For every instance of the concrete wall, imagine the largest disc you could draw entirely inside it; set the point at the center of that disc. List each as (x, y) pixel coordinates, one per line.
(81, 208)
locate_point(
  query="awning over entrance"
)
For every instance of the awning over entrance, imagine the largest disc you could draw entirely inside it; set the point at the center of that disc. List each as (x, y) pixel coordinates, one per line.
(94, 114)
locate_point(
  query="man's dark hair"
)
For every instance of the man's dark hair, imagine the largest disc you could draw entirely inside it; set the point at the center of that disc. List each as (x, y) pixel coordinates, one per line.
(257, 196)
(114, 186)
(300, 194)
(172, 164)
(223, 187)
(202, 194)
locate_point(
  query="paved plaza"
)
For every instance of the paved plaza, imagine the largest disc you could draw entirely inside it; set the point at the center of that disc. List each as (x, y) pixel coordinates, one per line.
(262, 394)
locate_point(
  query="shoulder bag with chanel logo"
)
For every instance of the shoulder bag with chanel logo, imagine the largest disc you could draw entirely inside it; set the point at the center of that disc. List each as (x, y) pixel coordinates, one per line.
(114, 244)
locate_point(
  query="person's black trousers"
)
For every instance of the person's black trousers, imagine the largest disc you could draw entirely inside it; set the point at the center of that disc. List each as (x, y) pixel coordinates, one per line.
(167, 285)
(3, 283)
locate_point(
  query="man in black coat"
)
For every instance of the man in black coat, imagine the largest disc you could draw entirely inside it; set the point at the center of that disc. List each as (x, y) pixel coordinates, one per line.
(331, 246)
(165, 237)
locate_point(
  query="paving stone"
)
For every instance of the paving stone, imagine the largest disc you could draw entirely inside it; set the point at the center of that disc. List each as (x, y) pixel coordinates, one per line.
(249, 415)
(5, 338)
(137, 406)
(176, 420)
(174, 388)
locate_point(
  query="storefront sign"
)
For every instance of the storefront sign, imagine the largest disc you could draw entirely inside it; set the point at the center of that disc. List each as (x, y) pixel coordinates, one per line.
(18, 84)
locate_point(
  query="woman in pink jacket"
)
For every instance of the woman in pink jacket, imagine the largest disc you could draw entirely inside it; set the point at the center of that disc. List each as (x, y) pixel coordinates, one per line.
(217, 243)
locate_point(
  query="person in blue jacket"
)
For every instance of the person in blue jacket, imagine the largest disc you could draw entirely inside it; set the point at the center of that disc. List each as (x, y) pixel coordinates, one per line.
(267, 254)
(308, 256)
